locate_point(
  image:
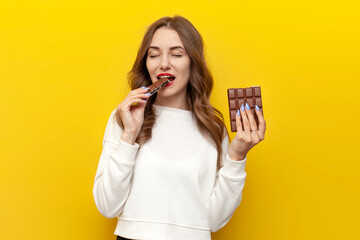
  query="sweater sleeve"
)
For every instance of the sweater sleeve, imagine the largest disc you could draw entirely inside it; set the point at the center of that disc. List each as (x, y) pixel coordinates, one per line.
(114, 171)
(227, 192)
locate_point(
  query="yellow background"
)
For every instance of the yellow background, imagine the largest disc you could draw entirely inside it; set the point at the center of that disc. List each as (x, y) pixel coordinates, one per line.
(63, 67)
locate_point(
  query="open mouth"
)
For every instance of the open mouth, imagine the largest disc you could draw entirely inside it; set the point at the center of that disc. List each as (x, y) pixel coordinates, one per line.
(171, 78)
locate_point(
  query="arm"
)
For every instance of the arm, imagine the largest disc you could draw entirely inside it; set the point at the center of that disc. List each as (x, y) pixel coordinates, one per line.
(227, 192)
(114, 172)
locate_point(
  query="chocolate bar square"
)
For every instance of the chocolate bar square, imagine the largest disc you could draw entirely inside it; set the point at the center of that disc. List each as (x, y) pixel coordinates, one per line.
(156, 86)
(238, 96)
(153, 88)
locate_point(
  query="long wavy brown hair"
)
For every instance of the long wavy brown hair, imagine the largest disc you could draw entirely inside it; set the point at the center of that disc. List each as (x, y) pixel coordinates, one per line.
(209, 120)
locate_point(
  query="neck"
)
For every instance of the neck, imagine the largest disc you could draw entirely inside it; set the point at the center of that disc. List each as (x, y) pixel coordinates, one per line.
(172, 101)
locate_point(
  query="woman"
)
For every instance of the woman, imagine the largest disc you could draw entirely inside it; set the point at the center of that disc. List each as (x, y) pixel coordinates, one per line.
(166, 170)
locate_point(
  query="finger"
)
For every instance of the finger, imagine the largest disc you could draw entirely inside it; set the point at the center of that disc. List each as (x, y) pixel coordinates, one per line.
(144, 88)
(142, 95)
(138, 91)
(251, 118)
(137, 99)
(245, 119)
(133, 102)
(262, 124)
(238, 121)
(138, 102)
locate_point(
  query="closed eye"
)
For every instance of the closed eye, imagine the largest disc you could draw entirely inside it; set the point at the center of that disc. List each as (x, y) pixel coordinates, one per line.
(158, 55)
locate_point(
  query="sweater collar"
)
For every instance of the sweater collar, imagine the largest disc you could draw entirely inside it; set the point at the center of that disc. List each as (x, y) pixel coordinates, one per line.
(173, 112)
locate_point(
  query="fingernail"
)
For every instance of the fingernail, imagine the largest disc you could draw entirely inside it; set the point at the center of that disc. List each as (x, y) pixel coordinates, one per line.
(147, 93)
(247, 106)
(144, 87)
(242, 107)
(238, 112)
(144, 100)
(257, 108)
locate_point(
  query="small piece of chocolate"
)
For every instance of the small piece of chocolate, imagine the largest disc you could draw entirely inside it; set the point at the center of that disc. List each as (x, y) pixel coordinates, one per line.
(153, 88)
(157, 85)
(238, 96)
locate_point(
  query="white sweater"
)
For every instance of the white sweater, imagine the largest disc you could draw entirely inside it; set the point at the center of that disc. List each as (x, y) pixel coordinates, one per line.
(169, 187)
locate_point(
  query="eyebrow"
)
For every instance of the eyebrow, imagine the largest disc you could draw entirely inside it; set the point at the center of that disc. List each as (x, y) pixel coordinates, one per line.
(156, 47)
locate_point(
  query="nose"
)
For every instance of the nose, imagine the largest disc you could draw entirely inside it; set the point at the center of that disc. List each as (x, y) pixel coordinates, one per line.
(165, 63)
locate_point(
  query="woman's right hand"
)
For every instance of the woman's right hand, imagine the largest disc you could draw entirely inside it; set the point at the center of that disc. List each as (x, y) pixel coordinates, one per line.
(133, 116)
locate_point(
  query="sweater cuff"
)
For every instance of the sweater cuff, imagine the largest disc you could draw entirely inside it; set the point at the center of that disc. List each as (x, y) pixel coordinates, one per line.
(233, 167)
(125, 151)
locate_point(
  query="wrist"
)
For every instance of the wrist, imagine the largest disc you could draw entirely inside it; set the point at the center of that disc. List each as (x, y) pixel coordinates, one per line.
(128, 137)
(236, 157)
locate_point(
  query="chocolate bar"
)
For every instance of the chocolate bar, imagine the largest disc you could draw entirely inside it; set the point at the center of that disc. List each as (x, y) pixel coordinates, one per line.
(153, 88)
(157, 85)
(238, 96)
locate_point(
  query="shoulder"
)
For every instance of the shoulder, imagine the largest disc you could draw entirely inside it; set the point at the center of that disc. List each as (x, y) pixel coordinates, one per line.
(113, 130)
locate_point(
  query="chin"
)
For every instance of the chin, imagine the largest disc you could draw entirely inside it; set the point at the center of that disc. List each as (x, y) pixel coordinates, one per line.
(167, 94)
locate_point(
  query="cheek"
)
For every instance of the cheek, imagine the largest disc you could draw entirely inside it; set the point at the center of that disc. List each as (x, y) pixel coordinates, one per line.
(150, 67)
(186, 68)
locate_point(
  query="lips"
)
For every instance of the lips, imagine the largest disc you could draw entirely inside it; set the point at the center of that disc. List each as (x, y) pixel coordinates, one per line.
(166, 75)
(169, 84)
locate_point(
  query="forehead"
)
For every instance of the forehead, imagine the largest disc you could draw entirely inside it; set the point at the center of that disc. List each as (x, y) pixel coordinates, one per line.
(165, 38)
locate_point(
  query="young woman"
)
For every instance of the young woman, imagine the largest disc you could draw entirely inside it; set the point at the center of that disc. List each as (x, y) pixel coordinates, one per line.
(167, 170)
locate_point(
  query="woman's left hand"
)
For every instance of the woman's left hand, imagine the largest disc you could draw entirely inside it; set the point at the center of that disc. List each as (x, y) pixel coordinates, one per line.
(248, 137)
